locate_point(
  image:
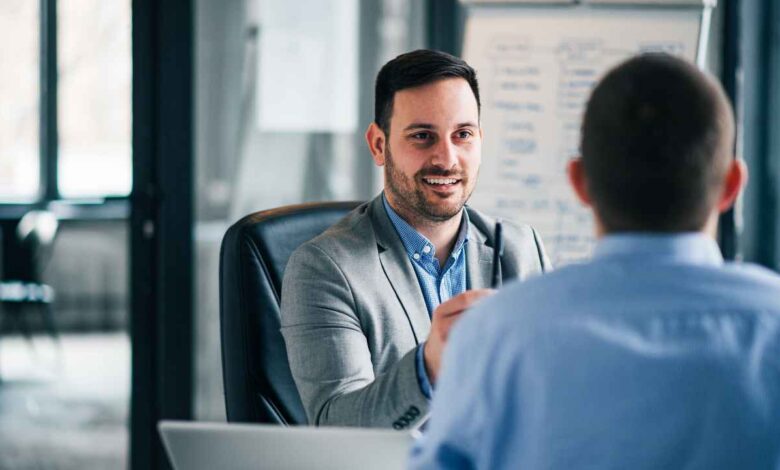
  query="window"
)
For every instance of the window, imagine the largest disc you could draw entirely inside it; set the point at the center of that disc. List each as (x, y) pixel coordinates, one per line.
(94, 117)
(19, 100)
(92, 155)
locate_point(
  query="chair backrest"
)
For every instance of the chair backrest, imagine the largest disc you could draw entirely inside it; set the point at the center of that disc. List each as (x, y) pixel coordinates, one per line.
(32, 246)
(258, 385)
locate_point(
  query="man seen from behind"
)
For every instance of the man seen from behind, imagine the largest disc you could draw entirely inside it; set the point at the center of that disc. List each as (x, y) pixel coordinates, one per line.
(655, 354)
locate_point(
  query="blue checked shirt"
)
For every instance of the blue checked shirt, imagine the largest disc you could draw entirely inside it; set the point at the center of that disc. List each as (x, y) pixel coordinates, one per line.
(437, 284)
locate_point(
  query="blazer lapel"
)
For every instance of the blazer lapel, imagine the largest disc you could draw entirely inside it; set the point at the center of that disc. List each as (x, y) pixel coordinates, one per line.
(399, 271)
(479, 260)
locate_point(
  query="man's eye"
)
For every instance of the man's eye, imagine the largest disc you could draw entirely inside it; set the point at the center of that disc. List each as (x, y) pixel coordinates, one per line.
(464, 134)
(421, 136)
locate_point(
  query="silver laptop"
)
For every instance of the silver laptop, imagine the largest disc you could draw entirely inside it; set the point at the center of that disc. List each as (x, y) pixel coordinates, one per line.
(199, 445)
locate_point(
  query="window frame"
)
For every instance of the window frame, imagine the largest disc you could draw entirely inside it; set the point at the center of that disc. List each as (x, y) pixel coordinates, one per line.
(48, 195)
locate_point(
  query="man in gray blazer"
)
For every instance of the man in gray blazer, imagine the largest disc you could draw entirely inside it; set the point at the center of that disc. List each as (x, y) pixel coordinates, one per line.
(367, 305)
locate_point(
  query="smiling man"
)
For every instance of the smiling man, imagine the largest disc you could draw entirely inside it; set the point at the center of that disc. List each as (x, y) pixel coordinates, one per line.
(367, 306)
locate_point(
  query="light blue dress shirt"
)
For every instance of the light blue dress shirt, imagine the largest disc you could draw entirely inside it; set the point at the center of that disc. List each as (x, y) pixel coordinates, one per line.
(437, 283)
(656, 354)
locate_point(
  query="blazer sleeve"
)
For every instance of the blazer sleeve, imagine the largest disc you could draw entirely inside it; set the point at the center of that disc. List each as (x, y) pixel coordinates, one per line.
(329, 355)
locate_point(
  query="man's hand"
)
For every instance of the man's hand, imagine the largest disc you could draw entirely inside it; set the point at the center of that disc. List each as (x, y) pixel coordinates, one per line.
(444, 317)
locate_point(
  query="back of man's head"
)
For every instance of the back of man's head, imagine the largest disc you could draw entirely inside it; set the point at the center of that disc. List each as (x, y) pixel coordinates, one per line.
(414, 69)
(657, 141)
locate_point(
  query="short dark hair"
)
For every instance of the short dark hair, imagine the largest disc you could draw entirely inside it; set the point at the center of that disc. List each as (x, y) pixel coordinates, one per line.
(414, 69)
(657, 138)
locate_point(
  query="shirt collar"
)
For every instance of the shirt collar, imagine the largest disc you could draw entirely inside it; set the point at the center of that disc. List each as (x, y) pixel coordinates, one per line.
(687, 248)
(416, 243)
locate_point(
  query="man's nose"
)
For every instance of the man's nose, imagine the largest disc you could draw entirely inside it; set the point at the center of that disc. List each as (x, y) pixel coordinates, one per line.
(445, 155)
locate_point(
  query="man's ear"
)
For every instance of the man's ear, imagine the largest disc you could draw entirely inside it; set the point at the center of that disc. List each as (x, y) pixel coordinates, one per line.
(578, 181)
(736, 179)
(377, 142)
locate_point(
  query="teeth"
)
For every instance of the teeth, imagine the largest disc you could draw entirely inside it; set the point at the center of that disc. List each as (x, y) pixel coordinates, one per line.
(441, 180)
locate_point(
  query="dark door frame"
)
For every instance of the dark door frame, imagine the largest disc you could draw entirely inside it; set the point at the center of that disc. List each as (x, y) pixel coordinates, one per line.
(728, 236)
(759, 49)
(445, 19)
(161, 223)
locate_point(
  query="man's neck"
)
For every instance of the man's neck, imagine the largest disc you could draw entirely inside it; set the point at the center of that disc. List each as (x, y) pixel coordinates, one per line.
(442, 234)
(709, 229)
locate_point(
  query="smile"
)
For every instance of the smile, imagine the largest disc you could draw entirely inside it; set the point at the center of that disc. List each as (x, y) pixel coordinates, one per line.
(441, 181)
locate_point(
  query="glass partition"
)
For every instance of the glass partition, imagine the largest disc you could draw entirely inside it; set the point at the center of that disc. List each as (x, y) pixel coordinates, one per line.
(254, 151)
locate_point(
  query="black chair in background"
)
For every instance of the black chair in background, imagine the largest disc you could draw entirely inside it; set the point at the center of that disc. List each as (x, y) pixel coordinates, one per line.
(22, 290)
(258, 385)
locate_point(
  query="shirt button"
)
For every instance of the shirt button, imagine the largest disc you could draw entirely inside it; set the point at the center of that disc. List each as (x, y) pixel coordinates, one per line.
(416, 256)
(426, 249)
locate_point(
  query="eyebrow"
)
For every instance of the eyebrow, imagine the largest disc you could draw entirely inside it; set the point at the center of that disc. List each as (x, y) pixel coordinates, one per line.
(422, 125)
(419, 125)
(467, 124)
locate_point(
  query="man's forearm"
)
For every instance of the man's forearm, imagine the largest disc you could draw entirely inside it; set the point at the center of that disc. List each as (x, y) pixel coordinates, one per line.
(392, 400)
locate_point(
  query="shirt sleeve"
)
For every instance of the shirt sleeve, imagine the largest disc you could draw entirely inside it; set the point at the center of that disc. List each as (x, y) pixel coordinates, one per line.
(422, 374)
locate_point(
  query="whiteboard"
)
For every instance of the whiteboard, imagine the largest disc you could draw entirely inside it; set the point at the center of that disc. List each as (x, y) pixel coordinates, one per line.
(536, 67)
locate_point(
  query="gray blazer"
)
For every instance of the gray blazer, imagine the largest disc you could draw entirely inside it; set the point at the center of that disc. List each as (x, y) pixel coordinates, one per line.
(353, 313)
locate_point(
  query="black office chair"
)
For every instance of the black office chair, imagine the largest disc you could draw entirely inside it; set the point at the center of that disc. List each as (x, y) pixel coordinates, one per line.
(22, 289)
(258, 385)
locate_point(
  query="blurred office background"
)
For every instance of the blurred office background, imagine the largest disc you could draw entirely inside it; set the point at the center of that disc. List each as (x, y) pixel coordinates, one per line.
(142, 129)
(65, 177)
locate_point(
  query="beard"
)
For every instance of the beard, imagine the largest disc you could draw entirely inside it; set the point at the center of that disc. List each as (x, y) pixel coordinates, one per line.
(409, 192)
